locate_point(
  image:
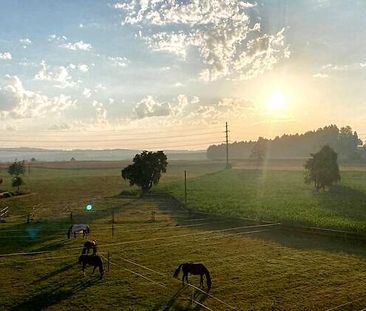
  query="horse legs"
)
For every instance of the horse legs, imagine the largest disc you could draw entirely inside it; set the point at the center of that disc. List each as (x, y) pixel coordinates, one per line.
(201, 281)
(184, 277)
(101, 271)
(94, 269)
(84, 264)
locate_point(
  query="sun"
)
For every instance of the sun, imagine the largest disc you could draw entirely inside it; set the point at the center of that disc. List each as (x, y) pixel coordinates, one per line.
(276, 102)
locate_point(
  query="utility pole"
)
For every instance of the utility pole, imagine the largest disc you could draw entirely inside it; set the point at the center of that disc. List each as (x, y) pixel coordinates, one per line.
(185, 188)
(228, 166)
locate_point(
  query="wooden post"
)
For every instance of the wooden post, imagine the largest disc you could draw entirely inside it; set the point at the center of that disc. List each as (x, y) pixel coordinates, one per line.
(109, 257)
(153, 216)
(112, 222)
(28, 218)
(71, 216)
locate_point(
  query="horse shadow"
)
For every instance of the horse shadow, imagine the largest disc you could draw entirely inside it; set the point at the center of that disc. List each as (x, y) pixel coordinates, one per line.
(54, 273)
(52, 295)
(173, 303)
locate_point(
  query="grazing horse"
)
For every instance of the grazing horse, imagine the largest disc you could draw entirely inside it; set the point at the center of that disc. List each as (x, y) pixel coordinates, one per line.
(89, 245)
(78, 228)
(195, 269)
(92, 260)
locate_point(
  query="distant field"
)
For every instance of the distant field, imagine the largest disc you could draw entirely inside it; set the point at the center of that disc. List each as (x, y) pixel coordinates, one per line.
(253, 268)
(278, 195)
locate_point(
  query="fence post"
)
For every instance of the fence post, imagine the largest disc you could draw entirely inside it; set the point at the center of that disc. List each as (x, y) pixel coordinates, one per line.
(28, 218)
(71, 216)
(109, 257)
(153, 216)
(112, 222)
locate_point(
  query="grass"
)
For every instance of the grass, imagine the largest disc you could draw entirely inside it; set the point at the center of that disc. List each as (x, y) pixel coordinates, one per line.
(278, 195)
(251, 271)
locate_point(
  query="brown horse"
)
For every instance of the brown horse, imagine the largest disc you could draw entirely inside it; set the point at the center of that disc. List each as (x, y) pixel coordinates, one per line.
(92, 260)
(89, 245)
(195, 269)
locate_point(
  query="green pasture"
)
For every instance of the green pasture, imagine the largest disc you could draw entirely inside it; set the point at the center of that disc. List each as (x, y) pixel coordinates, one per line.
(278, 195)
(252, 268)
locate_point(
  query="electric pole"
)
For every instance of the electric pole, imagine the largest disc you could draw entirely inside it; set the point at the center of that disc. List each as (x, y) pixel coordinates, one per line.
(228, 166)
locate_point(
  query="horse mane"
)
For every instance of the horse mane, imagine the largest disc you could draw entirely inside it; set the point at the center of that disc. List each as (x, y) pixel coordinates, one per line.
(176, 273)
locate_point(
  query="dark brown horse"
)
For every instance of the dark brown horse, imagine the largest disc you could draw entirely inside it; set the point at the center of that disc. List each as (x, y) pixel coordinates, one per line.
(195, 269)
(89, 245)
(92, 260)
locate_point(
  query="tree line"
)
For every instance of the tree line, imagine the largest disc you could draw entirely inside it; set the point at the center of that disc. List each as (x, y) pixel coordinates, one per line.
(344, 141)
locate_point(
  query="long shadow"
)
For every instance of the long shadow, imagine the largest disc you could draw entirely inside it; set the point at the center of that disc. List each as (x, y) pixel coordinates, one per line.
(344, 201)
(287, 237)
(52, 295)
(35, 235)
(54, 273)
(171, 304)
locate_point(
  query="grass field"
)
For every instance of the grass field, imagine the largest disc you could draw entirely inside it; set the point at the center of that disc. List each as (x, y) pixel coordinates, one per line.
(253, 267)
(278, 195)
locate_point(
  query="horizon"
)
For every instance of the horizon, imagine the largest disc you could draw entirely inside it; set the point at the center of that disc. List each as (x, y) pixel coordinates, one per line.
(131, 75)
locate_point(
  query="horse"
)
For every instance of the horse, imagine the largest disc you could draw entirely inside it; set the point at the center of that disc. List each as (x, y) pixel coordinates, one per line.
(195, 269)
(78, 228)
(92, 260)
(89, 245)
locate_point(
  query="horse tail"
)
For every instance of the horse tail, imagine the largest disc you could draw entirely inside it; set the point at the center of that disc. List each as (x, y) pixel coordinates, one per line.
(177, 271)
(69, 232)
(101, 268)
(208, 280)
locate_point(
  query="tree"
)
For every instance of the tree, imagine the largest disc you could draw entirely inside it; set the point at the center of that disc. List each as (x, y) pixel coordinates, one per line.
(146, 169)
(322, 168)
(17, 181)
(259, 150)
(15, 170)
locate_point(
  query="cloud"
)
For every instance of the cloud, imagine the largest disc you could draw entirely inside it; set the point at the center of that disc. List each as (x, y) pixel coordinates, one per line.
(18, 103)
(226, 34)
(150, 107)
(119, 61)
(87, 92)
(5, 56)
(25, 42)
(80, 45)
(320, 75)
(101, 112)
(59, 75)
(56, 38)
(83, 67)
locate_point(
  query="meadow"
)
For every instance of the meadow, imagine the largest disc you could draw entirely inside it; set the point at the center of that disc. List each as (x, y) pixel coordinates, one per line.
(278, 195)
(254, 266)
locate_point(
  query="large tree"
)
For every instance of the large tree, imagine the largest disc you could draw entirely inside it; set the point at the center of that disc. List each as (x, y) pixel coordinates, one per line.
(322, 168)
(146, 169)
(259, 150)
(15, 170)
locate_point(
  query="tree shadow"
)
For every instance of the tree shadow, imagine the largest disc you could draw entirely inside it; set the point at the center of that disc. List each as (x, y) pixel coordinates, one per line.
(52, 295)
(287, 236)
(344, 201)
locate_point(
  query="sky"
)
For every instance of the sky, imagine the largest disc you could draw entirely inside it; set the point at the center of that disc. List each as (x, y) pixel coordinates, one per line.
(164, 74)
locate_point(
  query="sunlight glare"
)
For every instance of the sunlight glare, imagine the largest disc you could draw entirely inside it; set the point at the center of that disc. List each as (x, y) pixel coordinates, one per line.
(276, 102)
